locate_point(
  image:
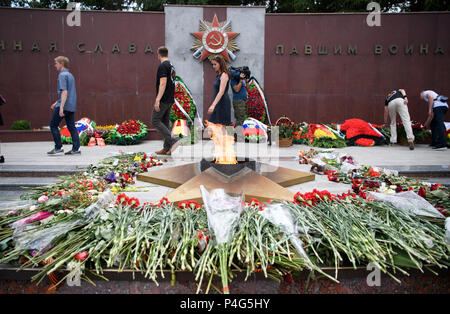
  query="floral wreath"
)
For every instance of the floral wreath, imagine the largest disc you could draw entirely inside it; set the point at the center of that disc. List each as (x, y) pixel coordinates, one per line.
(129, 132)
(256, 104)
(184, 99)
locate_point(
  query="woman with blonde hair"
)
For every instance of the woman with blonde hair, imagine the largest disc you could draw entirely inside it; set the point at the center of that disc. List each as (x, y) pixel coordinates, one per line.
(220, 110)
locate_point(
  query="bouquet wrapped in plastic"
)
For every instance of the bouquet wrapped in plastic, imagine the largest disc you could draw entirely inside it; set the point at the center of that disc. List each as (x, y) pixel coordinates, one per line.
(223, 212)
(27, 237)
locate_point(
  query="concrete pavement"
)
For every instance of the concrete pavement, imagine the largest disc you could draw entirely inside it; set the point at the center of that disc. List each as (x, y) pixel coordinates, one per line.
(27, 163)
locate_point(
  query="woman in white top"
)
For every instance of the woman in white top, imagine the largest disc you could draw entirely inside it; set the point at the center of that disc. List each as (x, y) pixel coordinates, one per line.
(436, 112)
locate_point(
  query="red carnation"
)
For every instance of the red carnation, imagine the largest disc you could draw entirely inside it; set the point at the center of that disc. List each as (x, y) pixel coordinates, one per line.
(423, 192)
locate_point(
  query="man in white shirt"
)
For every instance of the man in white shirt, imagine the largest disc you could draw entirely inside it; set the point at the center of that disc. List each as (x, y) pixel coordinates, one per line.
(397, 102)
(435, 121)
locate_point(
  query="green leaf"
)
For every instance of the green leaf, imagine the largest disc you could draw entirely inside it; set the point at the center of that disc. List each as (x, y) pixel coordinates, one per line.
(440, 193)
(4, 244)
(403, 260)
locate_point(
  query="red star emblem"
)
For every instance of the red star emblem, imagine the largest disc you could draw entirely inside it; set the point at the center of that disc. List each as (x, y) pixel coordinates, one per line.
(215, 40)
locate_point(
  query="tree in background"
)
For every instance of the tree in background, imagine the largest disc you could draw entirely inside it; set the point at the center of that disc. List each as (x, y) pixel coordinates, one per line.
(272, 6)
(314, 6)
(62, 4)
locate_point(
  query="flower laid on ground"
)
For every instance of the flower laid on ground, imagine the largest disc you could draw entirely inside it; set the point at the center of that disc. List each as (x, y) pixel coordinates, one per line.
(254, 203)
(312, 198)
(194, 205)
(306, 156)
(372, 179)
(373, 172)
(33, 218)
(43, 199)
(110, 177)
(81, 256)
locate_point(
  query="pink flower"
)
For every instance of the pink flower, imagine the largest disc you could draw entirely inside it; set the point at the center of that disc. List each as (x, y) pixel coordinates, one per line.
(32, 218)
(43, 199)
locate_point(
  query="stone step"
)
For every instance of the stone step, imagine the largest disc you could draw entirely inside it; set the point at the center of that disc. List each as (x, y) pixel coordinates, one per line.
(16, 183)
(424, 172)
(38, 171)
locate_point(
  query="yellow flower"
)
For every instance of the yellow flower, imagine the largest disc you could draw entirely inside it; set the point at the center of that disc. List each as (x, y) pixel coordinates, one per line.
(115, 189)
(320, 133)
(105, 127)
(137, 158)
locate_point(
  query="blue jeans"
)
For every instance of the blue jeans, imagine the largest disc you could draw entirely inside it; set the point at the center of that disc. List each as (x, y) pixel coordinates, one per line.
(437, 127)
(70, 121)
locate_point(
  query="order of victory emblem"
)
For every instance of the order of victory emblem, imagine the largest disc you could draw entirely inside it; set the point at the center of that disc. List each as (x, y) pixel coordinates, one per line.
(214, 39)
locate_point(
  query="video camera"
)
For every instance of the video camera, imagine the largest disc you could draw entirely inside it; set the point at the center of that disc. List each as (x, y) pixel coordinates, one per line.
(244, 70)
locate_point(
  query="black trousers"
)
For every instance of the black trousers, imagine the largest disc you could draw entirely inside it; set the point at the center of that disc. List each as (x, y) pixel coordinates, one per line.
(437, 127)
(160, 121)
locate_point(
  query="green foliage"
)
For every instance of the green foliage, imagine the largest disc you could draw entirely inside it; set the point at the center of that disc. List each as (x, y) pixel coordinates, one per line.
(272, 6)
(21, 125)
(326, 142)
(286, 130)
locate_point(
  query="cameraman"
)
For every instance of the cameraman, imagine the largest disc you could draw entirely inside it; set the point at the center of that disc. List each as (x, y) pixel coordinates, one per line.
(239, 84)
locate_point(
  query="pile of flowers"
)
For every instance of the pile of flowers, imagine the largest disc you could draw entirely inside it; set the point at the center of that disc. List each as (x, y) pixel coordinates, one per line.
(194, 205)
(366, 178)
(314, 197)
(129, 132)
(113, 230)
(256, 102)
(421, 134)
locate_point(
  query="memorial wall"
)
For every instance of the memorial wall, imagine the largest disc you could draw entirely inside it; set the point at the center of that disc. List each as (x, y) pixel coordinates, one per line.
(312, 67)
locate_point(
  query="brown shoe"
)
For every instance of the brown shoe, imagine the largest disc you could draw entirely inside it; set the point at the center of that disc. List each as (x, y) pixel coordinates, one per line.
(161, 152)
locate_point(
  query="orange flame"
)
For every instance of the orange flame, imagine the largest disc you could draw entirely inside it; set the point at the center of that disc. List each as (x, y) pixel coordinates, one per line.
(223, 144)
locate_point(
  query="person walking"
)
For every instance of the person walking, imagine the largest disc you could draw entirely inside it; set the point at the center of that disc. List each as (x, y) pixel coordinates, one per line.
(64, 108)
(165, 92)
(437, 108)
(397, 102)
(220, 110)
